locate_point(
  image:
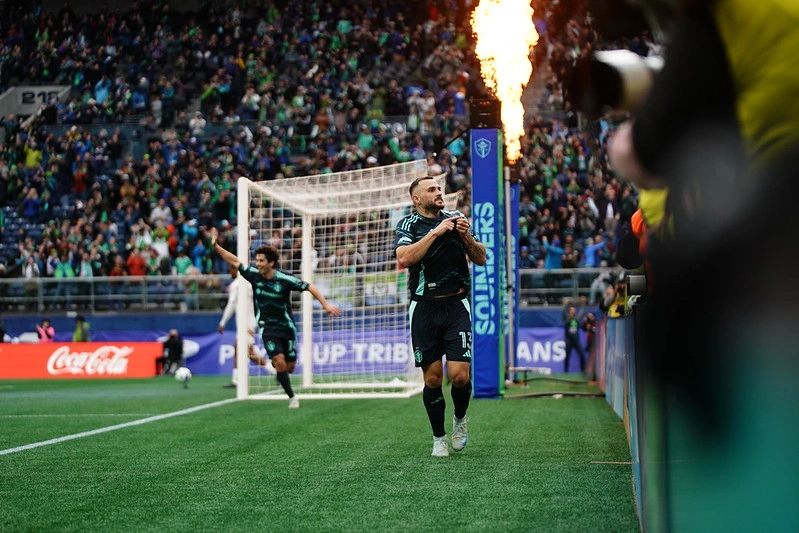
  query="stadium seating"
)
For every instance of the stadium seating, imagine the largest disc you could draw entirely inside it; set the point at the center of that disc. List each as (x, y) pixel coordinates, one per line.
(159, 109)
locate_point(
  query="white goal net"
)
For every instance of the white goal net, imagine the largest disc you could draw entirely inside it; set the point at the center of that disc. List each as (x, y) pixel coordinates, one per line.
(337, 232)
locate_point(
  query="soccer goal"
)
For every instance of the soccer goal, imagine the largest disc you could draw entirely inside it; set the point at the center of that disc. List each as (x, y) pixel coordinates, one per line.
(337, 232)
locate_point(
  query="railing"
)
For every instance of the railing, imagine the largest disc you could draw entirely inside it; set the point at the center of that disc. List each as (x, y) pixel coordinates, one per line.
(115, 294)
(551, 287)
(209, 292)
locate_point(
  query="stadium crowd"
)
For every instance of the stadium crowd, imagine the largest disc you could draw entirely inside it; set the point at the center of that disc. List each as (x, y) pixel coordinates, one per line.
(266, 93)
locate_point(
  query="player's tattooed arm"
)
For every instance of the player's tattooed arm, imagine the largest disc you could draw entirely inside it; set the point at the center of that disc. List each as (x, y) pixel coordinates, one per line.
(410, 254)
(474, 249)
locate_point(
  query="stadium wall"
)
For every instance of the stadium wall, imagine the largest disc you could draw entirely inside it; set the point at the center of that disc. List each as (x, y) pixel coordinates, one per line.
(639, 401)
(539, 343)
(619, 385)
(735, 471)
(199, 323)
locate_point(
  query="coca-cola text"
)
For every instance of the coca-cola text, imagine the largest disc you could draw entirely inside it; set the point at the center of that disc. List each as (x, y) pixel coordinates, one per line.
(79, 360)
(108, 360)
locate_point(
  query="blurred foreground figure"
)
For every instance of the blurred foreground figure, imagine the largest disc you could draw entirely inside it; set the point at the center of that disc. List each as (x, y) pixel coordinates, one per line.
(715, 152)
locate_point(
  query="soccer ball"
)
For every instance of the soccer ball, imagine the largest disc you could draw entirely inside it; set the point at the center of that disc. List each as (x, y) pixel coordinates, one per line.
(183, 374)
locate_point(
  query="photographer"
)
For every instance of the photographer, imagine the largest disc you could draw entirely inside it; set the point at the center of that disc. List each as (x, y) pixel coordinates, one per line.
(599, 286)
(590, 326)
(172, 358)
(717, 334)
(81, 331)
(737, 62)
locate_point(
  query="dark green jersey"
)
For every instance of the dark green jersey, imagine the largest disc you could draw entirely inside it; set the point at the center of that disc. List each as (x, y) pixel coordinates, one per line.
(572, 327)
(444, 269)
(272, 298)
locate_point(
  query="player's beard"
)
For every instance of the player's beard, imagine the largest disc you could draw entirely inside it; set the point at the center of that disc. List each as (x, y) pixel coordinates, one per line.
(433, 207)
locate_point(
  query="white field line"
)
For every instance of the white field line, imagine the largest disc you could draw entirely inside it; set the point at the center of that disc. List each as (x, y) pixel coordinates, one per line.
(141, 421)
(71, 415)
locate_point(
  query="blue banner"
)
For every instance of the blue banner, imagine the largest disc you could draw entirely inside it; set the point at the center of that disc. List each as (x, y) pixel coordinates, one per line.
(488, 288)
(209, 354)
(619, 344)
(341, 351)
(546, 348)
(346, 351)
(632, 416)
(514, 276)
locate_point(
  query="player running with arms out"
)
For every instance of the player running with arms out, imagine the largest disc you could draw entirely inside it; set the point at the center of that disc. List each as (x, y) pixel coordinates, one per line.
(230, 310)
(434, 244)
(272, 290)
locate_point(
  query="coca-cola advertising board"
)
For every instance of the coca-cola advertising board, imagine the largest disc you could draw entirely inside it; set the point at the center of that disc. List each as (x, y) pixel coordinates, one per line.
(79, 360)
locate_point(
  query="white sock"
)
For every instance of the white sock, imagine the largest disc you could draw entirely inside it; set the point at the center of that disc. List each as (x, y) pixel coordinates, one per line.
(233, 378)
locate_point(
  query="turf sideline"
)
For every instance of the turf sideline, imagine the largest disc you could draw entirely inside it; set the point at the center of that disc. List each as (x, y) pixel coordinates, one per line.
(115, 427)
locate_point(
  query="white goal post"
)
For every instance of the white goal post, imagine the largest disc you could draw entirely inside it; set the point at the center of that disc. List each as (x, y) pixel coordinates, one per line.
(337, 232)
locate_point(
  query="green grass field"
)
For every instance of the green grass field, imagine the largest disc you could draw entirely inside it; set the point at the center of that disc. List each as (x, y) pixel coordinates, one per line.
(341, 465)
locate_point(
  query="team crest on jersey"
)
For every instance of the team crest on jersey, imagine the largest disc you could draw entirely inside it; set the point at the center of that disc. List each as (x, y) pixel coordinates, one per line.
(270, 346)
(417, 354)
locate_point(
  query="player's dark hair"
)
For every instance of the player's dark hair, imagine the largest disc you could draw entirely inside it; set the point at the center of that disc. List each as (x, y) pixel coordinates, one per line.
(270, 253)
(415, 182)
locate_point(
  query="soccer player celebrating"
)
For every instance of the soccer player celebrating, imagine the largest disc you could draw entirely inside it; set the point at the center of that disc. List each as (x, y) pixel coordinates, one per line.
(272, 290)
(434, 244)
(230, 309)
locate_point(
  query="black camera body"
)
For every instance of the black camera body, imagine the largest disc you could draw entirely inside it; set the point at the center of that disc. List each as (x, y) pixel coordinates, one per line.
(616, 79)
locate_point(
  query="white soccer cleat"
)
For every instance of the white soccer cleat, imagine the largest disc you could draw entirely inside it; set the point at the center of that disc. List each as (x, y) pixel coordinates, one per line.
(440, 448)
(460, 433)
(294, 402)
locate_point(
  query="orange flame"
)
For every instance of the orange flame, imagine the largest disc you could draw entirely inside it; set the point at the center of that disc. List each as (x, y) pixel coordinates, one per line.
(505, 36)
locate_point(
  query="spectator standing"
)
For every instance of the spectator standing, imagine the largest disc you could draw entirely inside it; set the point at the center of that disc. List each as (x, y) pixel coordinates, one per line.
(81, 331)
(525, 260)
(197, 124)
(591, 251)
(161, 212)
(609, 209)
(571, 335)
(589, 326)
(136, 264)
(31, 268)
(554, 252)
(182, 262)
(32, 205)
(45, 331)
(86, 267)
(119, 267)
(64, 271)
